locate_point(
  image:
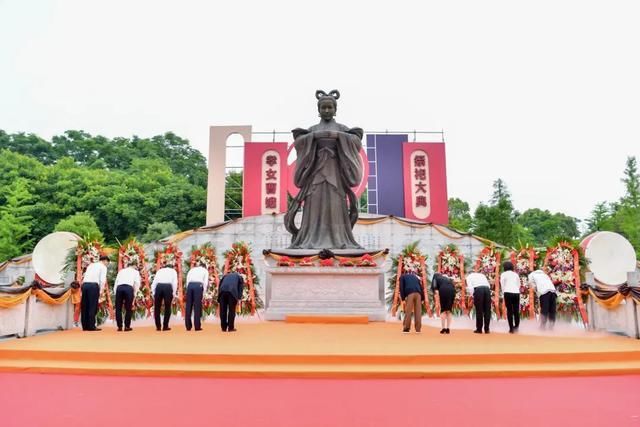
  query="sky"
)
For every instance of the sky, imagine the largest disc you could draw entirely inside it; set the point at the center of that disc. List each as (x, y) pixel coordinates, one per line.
(544, 94)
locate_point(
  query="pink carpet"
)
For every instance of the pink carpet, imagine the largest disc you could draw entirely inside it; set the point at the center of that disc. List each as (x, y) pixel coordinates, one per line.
(67, 400)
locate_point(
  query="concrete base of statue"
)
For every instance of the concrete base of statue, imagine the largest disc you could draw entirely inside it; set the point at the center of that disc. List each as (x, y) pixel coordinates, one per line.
(325, 291)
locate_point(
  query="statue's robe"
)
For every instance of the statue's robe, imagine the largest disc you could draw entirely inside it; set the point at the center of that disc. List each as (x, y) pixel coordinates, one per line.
(326, 170)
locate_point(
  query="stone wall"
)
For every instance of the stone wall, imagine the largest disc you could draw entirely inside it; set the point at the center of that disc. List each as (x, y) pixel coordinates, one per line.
(268, 232)
(372, 231)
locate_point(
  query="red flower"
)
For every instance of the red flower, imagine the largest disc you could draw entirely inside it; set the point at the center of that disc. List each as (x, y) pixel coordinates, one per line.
(326, 262)
(285, 261)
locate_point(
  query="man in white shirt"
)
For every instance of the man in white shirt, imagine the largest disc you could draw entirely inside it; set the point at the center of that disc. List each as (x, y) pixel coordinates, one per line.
(197, 282)
(164, 289)
(478, 285)
(510, 285)
(94, 282)
(126, 286)
(546, 291)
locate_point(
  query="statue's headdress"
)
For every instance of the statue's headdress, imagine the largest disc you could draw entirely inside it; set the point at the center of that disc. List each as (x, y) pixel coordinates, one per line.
(322, 94)
(334, 95)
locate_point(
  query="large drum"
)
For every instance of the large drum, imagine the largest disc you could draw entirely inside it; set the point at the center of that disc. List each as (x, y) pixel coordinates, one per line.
(610, 257)
(50, 254)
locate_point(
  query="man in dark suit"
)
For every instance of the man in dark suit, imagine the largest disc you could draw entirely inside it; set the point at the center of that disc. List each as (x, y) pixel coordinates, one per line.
(229, 293)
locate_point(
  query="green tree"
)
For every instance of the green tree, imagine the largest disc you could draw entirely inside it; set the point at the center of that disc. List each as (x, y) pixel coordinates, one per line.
(545, 226)
(113, 154)
(123, 184)
(496, 220)
(625, 217)
(459, 215)
(30, 145)
(14, 166)
(159, 230)
(81, 223)
(631, 180)
(61, 191)
(626, 221)
(600, 216)
(622, 216)
(15, 221)
(500, 192)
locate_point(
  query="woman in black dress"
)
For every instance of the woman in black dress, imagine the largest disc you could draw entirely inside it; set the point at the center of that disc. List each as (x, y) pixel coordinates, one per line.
(443, 286)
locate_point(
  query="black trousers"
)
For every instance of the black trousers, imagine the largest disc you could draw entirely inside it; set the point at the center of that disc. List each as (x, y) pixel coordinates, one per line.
(89, 305)
(512, 301)
(227, 311)
(548, 308)
(482, 303)
(194, 303)
(164, 292)
(124, 295)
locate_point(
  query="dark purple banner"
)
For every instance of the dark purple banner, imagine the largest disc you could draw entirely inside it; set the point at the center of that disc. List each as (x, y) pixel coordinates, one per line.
(386, 182)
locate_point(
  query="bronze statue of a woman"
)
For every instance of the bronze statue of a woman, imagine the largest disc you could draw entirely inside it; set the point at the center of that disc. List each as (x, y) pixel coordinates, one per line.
(328, 165)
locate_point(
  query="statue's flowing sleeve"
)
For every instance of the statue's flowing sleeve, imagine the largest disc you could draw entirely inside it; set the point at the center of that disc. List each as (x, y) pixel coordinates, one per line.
(305, 158)
(349, 146)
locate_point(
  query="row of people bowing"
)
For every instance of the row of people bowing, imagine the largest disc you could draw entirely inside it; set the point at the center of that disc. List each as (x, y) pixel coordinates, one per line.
(164, 290)
(412, 293)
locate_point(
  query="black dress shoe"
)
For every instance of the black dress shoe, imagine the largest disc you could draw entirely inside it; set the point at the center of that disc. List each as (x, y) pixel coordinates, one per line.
(198, 329)
(486, 331)
(119, 329)
(447, 331)
(443, 331)
(232, 330)
(166, 329)
(477, 331)
(128, 329)
(158, 329)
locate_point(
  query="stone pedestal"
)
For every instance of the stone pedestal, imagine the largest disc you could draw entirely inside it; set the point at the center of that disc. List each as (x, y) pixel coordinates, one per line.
(325, 291)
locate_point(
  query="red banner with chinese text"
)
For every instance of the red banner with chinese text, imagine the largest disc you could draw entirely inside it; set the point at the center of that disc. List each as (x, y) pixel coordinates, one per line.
(425, 182)
(264, 187)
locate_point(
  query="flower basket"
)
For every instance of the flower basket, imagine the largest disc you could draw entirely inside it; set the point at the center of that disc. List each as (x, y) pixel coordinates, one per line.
(562, 263)
(206, 255)
(85, 253)
(450, 262)
(132, 253)
(238, 259)
(410, 259)
(488, 263)
(171, 257)
(523, 264)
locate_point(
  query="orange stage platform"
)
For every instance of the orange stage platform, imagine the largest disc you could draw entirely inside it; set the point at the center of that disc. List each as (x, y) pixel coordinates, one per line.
(279, 349)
